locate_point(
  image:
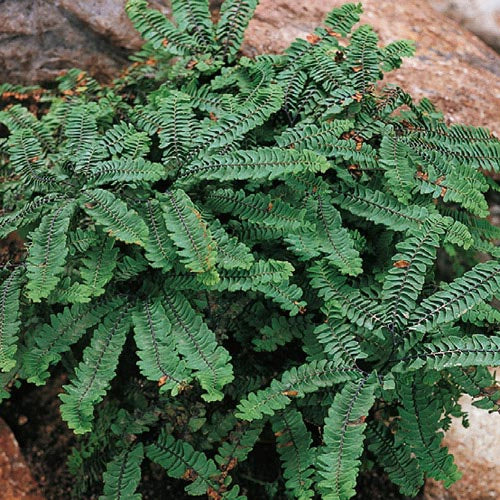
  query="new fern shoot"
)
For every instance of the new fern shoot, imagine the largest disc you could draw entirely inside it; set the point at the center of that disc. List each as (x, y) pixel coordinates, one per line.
(225, 252)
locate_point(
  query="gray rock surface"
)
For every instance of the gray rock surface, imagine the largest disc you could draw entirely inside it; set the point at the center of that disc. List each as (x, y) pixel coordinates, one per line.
(41, 38)
(482, 17)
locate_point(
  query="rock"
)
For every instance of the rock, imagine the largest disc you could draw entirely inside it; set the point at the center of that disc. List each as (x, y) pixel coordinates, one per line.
(16, 482)
(41, 38)
(477, 455)
(482, 17)
(452, 67)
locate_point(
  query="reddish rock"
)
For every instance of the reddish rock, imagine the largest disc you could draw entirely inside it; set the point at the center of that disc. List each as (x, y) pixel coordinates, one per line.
(40, 38)
(452, 67)
(16, 482)
(477, 455)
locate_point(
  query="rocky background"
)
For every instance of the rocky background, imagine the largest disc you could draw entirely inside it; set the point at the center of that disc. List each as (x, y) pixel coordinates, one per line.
(41, 38)
(482, 17)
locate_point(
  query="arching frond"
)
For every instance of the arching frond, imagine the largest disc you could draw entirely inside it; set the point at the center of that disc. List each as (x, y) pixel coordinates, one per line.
(9, 320)
(159, 360)
(343, 435)
(48, 250)
(95, 372)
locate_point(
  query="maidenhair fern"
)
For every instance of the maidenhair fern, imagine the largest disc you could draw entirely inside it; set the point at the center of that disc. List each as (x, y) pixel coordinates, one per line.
(236, 258)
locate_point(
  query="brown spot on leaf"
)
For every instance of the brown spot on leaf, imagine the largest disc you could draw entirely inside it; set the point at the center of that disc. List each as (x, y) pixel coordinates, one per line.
(313, 38)
(401, 264)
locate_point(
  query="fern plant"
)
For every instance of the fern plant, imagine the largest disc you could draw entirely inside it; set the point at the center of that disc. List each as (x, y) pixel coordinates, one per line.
(225, 252)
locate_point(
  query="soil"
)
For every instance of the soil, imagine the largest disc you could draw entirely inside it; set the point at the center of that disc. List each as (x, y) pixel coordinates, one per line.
(33, 415)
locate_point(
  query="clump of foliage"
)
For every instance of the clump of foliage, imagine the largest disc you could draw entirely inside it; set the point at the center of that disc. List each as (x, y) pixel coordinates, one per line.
(226, 252)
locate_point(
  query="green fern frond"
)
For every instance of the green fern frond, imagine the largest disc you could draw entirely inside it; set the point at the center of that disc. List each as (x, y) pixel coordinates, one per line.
(257, 208)
(178, 126)
(399, 172)
(343, 436)
(95, 372)
(396, 460)
(159, 360)
(49, 341)
(193, 17)
(308, 135)
(123, 474)
(337, 338)
(180, 460)
(381, 208)
(460, 235)
(293, 443)
(190, 234)
(10, 290)
(240, 443)
(342, 19)
(123, 139)
(231, 253)
(81, 127)
(260, 273)
(482, 313)
(263, 163)
(130, 267)
(28, 213)
(391, 56)
(98, 266)
(294, 383)
(234, 18)
(159, 30)
(232, 126)
(362, 58)
(113, 214)
(28, 160)
(334, 290)
(47, 253)
(334, 240)
(286, 295)
(160, 249)
(420, 421)
(18, 119)
(475, 286)
(125, 170)
(80, 240)
(405, 280)
(198, 345)
(279, 332)
(477, 350)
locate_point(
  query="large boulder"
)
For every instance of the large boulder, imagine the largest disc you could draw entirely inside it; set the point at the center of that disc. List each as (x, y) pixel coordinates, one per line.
(40, 38)
(482, 17)
(453, 67)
